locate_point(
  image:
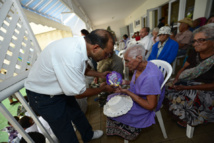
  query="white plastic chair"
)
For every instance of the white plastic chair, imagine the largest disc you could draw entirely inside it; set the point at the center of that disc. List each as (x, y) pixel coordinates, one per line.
(121, 46)
(176, 62)
(189, 129)
(166, 69)
(120, 54)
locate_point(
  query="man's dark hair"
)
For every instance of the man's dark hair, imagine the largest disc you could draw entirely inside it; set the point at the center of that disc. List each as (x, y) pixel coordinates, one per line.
(25, 122)
(100, 37)
(162, 18)
(147, 29)
(36, 137)
(125, 35)
(16, 117)
(84, 32)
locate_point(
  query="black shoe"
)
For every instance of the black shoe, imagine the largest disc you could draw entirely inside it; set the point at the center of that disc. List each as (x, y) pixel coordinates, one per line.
(14, 102)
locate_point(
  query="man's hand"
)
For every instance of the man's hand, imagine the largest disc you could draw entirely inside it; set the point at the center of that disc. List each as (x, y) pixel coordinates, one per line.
(96, 80)
(103, 75)
(109, 88)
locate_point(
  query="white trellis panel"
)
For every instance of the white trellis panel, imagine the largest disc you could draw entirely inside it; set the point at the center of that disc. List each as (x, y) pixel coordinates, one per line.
(18, 46)
(18, 52)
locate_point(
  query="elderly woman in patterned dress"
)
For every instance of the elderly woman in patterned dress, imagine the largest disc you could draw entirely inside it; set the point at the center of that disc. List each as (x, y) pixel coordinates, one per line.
(191, 97)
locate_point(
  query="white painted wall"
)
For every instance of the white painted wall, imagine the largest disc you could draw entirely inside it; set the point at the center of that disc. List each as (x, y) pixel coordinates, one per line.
(200, 8)
(46, 38)
(141, 11)
(135, 15)
(115, 26)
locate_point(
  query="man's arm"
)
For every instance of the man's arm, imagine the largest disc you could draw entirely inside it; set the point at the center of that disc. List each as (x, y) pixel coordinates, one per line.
(94, 91)
(89, 72)
(93, 73)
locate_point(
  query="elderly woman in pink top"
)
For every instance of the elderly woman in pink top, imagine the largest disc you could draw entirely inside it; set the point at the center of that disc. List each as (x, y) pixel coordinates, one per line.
(144, 88)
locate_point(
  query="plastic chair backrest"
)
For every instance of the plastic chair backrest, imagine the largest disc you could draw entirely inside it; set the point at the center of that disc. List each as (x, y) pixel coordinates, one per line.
(120, 54)
(165, 68)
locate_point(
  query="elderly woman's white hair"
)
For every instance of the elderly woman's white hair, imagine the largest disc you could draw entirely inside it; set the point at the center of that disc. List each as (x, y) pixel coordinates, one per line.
(135, 48)
(206, 29)
(156, 29)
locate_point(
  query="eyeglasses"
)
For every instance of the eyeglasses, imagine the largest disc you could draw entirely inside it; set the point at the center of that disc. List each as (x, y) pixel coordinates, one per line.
(201, 40)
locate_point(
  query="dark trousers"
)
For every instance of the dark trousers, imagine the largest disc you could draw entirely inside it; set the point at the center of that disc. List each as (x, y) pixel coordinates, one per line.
(59, 111)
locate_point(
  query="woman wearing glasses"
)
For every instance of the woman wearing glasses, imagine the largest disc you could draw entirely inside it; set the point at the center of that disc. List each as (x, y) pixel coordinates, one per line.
(191, 97)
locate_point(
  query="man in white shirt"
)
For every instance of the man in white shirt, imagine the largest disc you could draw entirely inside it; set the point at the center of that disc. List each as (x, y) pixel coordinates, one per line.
(58, 77)
(146, 40)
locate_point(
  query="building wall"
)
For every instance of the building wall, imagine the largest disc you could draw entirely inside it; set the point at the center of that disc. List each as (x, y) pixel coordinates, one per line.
(142, 10)
(45, 38)
(200, 8)
(115, 26)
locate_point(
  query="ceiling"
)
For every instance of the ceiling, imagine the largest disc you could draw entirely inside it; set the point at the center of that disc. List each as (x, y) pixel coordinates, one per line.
(105, 11)
(47, 8)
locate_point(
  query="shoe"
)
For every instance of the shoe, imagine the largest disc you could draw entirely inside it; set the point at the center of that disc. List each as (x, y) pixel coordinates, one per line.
(14, 102)
(97, 134)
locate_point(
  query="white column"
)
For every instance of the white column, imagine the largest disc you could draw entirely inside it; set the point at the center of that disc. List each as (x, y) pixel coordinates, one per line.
(181, 11)
(201, 8)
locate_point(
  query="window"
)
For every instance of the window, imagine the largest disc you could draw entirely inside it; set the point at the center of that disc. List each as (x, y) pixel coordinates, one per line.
(189, 8)
(137, 23)
(174, 12)
(156, 18)
(143, 22)
(212, 9)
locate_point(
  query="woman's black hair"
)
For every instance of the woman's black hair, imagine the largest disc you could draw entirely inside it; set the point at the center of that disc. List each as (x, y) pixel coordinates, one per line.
(125, 35)
(36, 137)
(25, 122)
(16, 117)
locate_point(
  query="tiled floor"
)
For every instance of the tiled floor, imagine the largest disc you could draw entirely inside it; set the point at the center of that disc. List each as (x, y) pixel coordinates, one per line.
(153, 134)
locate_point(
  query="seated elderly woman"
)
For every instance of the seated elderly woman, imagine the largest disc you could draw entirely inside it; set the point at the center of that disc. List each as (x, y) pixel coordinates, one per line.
(191, 97)
(144, 90)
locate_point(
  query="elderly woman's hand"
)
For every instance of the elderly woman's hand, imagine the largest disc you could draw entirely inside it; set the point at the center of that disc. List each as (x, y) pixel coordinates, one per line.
(175, 80)
(180, 87)
(125, 82)
(121, 90)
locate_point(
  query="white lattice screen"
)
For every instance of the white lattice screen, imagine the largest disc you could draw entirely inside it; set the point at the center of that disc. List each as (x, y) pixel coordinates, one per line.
(18, 47)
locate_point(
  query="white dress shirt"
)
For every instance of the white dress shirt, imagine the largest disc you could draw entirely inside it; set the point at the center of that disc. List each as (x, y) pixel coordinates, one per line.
(60, 68)
(147, 43)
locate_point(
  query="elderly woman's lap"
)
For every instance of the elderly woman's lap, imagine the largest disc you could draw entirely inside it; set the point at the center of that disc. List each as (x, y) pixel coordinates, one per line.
(193, 106)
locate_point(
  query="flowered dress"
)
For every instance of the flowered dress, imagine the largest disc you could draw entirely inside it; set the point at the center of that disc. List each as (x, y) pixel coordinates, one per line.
(193, 106)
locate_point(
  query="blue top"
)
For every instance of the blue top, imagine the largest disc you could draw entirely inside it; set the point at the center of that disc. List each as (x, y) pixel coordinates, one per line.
(148, 83)
(168, 53)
